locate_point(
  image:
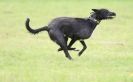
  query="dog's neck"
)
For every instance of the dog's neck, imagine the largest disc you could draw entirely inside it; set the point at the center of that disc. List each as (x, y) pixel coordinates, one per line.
(94, 19)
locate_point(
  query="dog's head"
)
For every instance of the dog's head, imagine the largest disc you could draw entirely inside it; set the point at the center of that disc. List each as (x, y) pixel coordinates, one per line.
(102, 14)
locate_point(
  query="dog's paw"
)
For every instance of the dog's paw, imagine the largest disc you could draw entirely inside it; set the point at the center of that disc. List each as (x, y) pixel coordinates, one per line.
(74, 49)
(60, 49)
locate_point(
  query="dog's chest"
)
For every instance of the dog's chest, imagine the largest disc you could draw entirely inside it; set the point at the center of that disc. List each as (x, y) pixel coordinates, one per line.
(84, 33)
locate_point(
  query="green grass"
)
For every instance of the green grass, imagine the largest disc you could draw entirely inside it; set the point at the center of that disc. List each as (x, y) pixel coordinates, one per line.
(28, 58)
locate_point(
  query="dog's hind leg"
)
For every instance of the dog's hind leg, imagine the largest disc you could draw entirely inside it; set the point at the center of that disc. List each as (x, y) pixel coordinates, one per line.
(58, 37)
(64, 47)
(66, 52)
(66, 39)
(84, 47)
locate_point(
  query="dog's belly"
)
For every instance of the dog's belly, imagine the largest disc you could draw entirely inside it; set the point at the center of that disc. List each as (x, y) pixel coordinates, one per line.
(79, 35)
(83, 35)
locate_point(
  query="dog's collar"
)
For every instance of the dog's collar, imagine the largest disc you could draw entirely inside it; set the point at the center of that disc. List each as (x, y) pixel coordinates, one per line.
(94, 20)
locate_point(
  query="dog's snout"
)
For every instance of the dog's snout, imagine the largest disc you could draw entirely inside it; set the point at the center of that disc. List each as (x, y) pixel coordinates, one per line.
(114, 14)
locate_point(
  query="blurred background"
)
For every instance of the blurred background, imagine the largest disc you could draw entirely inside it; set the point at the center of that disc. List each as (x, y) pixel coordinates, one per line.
(34, 58)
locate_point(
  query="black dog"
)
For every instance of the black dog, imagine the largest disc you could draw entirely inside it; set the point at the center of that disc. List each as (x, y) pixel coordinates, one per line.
(62, 28)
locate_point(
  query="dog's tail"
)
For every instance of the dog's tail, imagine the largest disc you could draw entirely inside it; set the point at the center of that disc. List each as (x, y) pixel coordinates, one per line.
(34, 31)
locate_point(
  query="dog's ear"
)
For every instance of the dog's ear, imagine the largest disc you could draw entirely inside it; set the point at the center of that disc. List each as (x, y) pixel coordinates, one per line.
(95, 10)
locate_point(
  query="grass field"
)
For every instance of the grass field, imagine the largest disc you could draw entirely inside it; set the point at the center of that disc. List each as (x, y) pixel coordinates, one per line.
(28, 58)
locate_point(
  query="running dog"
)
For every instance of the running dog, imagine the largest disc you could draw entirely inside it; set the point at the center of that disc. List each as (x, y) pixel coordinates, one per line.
(78, 29)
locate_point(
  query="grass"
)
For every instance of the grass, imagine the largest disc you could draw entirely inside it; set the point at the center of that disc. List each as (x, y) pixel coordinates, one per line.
(29, 58)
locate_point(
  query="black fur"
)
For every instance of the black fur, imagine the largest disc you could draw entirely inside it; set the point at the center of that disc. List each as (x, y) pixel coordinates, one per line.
(62, 28)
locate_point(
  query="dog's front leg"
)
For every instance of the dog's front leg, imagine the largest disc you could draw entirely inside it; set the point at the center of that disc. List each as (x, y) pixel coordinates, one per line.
(84, 47)
(69, 46)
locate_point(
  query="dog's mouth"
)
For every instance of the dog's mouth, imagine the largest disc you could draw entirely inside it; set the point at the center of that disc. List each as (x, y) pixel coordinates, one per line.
(111, 15)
